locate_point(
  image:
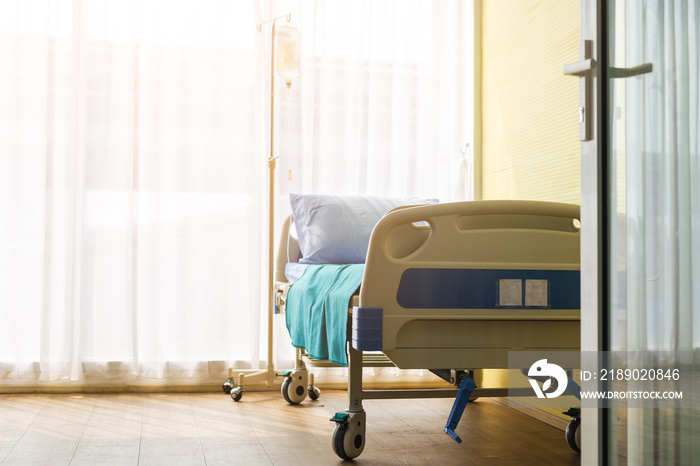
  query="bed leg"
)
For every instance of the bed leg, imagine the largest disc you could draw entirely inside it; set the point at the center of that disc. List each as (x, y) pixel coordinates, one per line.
(348, 438)
(299, 363)
(354, 380)
(298, 382)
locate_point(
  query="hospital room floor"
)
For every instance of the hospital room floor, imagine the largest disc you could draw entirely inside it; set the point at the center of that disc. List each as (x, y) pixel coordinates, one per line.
(211, 429)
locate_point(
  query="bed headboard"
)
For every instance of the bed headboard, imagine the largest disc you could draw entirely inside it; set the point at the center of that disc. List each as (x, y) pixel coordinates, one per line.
(287, 250)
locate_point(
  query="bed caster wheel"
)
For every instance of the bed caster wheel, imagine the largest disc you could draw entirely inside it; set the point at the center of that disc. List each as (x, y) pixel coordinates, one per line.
(236, 394)
(573, 434)
(294, 387)
(348, 438)
(314, 393)
(573, 430)
(227, 386)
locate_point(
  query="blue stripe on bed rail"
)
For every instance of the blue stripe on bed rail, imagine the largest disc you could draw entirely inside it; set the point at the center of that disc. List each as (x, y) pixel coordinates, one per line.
(479, 288)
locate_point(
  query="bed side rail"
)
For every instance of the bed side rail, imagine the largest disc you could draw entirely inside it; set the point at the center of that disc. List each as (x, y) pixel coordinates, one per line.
(479, 232)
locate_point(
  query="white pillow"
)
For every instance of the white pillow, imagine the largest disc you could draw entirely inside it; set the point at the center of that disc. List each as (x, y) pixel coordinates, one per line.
(336, 229)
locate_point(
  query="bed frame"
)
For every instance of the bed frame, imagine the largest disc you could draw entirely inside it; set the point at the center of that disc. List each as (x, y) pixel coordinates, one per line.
(453, 288)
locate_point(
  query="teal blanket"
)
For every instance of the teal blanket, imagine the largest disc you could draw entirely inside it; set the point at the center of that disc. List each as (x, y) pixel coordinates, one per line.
(317, 310)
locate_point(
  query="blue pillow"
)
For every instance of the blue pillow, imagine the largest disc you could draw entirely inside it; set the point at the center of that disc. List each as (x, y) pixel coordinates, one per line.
(336, 229)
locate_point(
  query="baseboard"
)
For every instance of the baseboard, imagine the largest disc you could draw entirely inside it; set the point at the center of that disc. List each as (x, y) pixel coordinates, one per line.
(554, 420)
(323, 383)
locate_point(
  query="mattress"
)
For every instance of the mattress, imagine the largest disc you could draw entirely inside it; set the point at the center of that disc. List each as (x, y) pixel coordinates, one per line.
(294, 270)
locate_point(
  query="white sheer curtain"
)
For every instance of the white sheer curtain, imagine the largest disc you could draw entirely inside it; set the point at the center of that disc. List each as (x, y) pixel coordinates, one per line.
(133, 136)
(657, 187)
(130, 189)
(655, 285)
(381, 98)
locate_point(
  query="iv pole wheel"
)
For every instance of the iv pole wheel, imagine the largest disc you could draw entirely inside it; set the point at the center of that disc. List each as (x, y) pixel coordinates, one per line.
(314, 393)
(236, 394)
(227, 386)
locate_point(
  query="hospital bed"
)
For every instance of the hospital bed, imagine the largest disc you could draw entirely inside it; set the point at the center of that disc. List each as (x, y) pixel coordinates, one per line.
(451, 288)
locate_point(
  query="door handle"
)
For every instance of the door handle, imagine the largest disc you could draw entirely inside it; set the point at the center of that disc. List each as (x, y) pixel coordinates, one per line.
(580, 68)
(629, 72)
(585, 70)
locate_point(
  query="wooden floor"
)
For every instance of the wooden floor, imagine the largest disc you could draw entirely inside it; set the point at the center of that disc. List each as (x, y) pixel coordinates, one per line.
(211, 429)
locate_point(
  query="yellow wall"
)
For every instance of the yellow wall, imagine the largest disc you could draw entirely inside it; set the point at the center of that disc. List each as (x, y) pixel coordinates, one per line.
(530, 145)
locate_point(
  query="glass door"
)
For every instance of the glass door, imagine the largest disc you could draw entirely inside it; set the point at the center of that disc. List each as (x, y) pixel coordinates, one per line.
(640, 213)
(651, 165)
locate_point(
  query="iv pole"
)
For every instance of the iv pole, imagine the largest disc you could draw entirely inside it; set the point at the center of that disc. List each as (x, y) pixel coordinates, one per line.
(268, 375)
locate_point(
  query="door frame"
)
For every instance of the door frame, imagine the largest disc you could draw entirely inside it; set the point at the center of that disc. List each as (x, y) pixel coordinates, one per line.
(594, 225)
